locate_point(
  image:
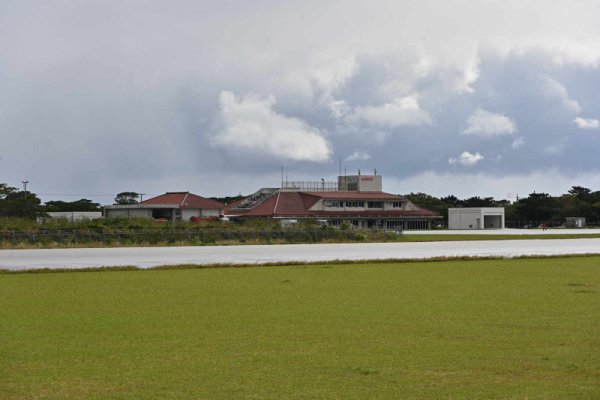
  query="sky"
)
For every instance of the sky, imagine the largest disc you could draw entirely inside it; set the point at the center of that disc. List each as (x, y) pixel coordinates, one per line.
(470, 98)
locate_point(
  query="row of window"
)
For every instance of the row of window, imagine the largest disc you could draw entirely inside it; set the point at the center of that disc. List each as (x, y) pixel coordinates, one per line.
(389, 224)
(358, 204)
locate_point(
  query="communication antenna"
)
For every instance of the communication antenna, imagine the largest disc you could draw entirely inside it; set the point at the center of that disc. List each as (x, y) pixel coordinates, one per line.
(24, 185)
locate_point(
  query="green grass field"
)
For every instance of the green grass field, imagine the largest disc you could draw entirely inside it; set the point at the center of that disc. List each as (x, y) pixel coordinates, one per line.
(506, 329)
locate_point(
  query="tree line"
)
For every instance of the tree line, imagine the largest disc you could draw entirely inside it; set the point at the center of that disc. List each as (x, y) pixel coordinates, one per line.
(538, 207)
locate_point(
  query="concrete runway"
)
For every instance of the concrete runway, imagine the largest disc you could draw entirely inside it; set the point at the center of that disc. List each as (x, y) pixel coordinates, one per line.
(147, 257)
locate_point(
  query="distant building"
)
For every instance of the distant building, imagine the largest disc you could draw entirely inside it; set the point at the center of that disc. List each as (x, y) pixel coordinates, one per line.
(357, 199)
(575, 222)
(476, 218)
(174, 206)
(75, 215)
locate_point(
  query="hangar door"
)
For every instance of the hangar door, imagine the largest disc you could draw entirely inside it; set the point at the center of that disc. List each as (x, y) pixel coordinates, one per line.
(492, 221)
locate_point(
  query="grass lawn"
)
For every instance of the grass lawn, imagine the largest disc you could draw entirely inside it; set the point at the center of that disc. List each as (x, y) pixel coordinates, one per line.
(509, 329)
(455, 237)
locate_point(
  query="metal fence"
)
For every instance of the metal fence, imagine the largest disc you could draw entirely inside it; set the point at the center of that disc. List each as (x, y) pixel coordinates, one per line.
(193, 236)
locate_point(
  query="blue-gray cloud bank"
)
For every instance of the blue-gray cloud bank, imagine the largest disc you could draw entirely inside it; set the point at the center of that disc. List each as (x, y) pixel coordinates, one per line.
(212, 97)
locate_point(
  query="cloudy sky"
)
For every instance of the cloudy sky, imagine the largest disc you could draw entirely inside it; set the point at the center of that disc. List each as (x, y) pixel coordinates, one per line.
(464, 97)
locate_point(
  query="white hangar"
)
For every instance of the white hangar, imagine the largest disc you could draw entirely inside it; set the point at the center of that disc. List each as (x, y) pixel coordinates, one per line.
(476, 218)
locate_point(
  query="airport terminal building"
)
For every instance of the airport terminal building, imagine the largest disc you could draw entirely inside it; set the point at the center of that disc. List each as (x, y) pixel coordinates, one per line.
(356, 199)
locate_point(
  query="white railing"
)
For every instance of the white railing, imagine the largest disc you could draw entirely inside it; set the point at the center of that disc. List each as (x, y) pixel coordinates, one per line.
(311, 186)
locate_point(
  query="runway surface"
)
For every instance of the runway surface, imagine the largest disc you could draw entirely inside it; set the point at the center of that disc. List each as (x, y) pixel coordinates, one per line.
(147, 257)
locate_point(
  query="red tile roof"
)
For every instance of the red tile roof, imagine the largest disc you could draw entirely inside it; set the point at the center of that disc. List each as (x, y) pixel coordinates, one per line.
(297, 204)
(185, 200)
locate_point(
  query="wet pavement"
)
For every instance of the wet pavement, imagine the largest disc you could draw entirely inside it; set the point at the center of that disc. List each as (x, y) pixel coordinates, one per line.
(147, 257)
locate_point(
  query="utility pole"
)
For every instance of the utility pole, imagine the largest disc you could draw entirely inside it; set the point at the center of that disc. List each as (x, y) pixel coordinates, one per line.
(24, 185)
(142, 197)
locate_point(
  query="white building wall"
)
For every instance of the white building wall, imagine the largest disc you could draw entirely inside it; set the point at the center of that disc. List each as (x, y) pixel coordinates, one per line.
(360, 183)
(76, 215)
(129, 212)
(188, 213)
(475, 218)
(211, 212)
(464, 218)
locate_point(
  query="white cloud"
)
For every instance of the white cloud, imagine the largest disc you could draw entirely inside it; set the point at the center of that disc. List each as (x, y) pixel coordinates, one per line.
(358, 156)
(466, 158)
(251, 124)
(587, 123)
(552, 88)
(335, 73)
(518, 143)
(487, 124)
(554, 149)
(470, 75)
(400, 112)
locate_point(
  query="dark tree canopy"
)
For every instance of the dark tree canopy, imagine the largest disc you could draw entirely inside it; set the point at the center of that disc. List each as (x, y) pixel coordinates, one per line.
(78, 205)
(125, 198)
(16, 203)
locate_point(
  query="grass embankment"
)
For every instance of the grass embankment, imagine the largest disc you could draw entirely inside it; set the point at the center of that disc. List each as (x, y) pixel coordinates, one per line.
(521, 328)
(287, 237)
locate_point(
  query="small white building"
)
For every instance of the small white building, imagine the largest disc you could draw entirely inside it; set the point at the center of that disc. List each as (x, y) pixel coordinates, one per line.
(75, 216)
(476, 218)
(575, 222)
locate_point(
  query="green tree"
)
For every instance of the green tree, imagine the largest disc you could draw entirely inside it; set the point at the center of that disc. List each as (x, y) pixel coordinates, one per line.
(580, 192)
(538, 207)
(429, 202)
(15, 203)
(78, 205)
(451, 201)
(477, 201)
(125, 198)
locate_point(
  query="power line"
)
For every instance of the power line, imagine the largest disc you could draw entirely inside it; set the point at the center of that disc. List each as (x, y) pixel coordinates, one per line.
(76, 194)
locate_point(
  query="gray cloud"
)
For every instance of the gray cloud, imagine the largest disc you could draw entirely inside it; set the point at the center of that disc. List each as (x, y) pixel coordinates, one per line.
(99, 97)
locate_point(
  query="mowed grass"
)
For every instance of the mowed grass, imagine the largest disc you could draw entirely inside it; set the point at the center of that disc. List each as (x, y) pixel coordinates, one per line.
(458, 237)
(521, 328)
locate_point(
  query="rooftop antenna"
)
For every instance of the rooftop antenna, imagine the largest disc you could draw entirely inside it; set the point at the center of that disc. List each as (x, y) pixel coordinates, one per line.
(282, 175)
(340, 166)
(359, 171)
(375, 171)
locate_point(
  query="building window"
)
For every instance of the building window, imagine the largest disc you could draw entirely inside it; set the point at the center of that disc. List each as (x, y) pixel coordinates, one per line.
(375, 204)
(355, 204)
(394, 224)
(396, 204)
(332, 204)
